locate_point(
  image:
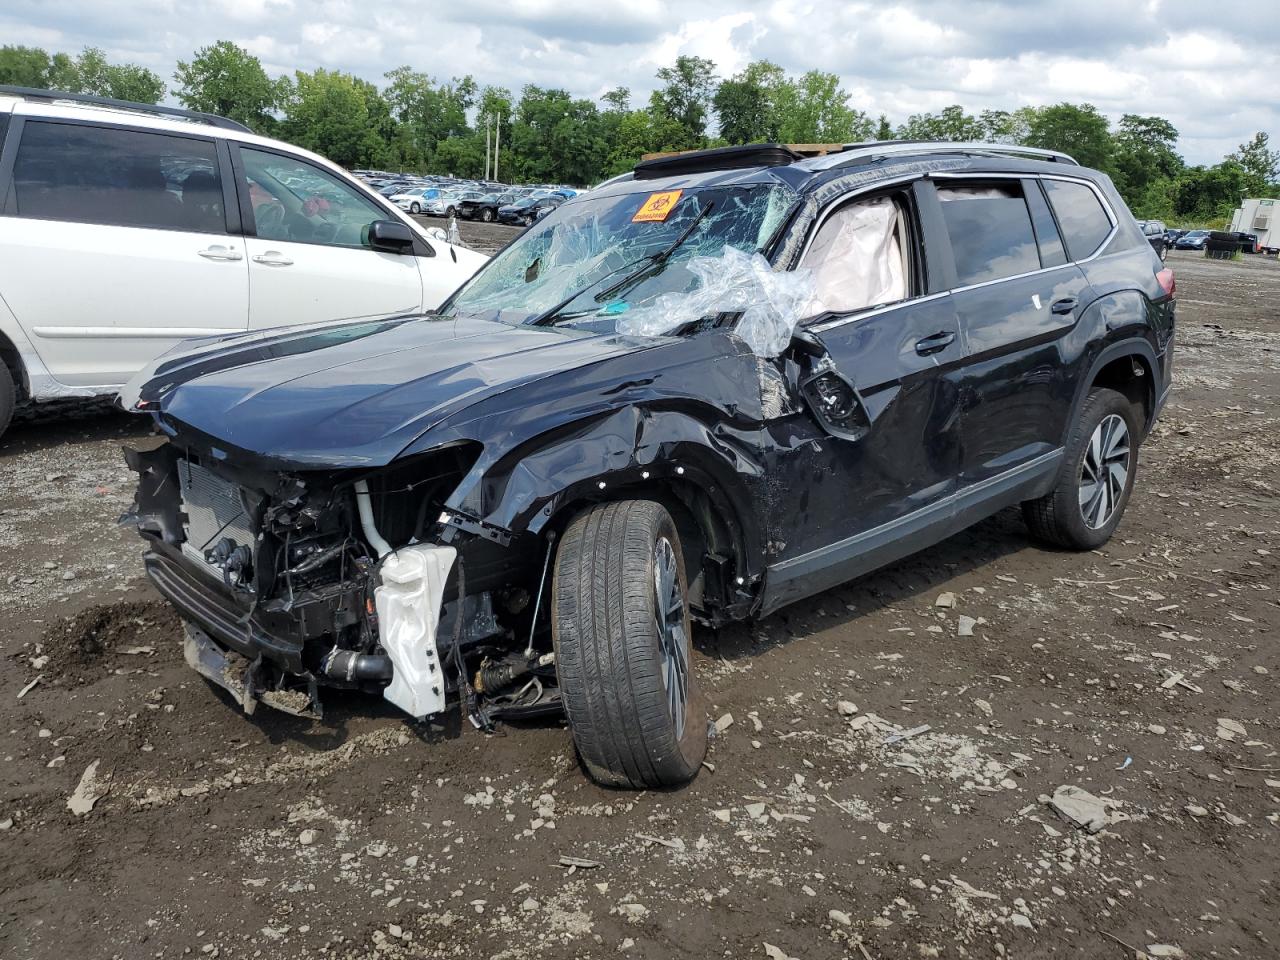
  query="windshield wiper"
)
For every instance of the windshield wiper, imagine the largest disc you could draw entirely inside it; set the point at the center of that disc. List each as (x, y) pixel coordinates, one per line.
(647, 263)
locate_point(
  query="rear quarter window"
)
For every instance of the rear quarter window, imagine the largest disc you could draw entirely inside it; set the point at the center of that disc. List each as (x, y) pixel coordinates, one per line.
(107, 175)
(1081, 217)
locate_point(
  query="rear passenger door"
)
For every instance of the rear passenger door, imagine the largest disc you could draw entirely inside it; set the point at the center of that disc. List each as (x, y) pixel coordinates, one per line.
(1017, 297)
(116, 244)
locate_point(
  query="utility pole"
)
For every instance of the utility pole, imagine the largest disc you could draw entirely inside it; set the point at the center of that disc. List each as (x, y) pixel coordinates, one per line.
(486, 148)
(497, 146)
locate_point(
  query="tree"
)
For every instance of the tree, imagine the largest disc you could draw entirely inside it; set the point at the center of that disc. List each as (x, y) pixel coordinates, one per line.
(815, 109)
(746, 105)
(229, 81)
(951, 124)
(1079, 130)
(637, 133)
(430, 111)
(1144, 154)
(557, 139)
(338, 116)
(24, 66)
(685, 97)
(1208, 193)
(1261, 165)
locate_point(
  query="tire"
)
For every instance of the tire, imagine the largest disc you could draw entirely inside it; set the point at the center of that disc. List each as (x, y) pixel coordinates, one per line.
(527, 221)
(631, 726)
(1078, 514)
(451, 212)
(8, 396)
(414, 208)
(486, 215)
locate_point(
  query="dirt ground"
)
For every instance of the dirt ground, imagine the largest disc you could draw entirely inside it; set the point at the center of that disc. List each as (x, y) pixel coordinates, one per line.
(1147, 673)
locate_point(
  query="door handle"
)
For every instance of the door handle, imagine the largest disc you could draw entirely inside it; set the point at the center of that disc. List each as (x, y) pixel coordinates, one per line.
(273, 258)
(1065, 305)
(220, 253)
(935, 342)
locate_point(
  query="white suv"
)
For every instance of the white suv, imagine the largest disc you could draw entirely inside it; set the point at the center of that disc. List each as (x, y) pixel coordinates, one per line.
(126, 228)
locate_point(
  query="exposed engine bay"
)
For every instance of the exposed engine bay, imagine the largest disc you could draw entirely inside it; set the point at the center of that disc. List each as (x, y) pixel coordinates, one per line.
(291, 582)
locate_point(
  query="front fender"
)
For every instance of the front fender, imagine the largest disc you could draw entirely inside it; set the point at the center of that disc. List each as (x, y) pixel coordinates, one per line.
(633, 447)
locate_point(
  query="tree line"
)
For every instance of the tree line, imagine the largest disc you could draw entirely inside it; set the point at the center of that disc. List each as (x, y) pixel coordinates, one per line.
(415, 122)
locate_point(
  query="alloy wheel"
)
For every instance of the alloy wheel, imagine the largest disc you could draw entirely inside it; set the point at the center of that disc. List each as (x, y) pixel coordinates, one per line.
(1104, 471)
(673, 639)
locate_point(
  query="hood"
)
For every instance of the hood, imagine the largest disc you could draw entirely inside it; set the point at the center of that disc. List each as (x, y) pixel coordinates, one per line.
(352, 394)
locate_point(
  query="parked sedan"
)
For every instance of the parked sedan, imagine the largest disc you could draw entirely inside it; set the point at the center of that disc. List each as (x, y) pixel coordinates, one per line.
(528, 210)
(413, 198)
(485, 207)
(1192, 240)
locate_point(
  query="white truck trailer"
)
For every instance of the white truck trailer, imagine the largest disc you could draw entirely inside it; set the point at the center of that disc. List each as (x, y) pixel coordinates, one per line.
(1259, 217)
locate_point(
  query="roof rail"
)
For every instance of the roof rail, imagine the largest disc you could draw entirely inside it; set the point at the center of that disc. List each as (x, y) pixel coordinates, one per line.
(49, 96)
(885, 148)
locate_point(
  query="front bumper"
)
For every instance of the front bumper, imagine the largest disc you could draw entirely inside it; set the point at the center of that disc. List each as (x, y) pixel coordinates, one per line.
(224, 619)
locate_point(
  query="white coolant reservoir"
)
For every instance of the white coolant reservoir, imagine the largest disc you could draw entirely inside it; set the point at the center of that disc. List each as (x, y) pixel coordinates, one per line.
(408, 603)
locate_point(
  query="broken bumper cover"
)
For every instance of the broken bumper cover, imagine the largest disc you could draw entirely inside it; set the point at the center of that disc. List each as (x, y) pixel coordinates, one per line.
(408, 604)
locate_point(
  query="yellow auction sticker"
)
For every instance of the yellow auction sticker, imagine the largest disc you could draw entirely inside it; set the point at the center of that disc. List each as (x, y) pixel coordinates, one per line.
(658, 207)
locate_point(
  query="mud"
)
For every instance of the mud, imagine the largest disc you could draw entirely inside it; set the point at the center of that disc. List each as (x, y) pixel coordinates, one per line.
(1144, 673)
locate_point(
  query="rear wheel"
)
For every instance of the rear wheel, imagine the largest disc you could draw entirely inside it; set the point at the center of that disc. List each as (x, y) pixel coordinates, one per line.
(1084, 509)
(415, 208)
(621, 630)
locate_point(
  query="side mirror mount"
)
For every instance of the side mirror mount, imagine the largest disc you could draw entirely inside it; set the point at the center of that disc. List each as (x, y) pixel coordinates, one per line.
(390, 236)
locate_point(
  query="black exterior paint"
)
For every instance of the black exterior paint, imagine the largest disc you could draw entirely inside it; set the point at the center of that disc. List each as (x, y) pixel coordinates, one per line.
(778, 507)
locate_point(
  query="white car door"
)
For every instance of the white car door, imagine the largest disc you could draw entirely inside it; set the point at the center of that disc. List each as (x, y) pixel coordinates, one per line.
(115, 246)
(309, 260)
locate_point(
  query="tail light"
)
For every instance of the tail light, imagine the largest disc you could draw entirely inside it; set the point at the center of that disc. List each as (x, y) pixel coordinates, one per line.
(1166, 281)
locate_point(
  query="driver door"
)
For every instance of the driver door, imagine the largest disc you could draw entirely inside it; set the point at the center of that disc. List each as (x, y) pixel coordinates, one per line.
(880, 485)
(307, 257)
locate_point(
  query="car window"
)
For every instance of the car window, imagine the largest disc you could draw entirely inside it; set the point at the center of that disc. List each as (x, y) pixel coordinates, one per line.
(1084, 222)
(859, 257)
(990, 231)
(297, 202)
(71, 171)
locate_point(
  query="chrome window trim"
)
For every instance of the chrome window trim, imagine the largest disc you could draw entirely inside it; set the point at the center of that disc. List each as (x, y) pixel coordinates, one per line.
(970, 175)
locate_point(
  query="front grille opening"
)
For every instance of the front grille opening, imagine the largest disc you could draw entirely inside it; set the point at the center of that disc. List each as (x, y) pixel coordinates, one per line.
(214, 509)
(408, 497)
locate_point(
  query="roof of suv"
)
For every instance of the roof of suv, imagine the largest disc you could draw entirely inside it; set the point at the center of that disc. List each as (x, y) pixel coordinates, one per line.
(776, 164)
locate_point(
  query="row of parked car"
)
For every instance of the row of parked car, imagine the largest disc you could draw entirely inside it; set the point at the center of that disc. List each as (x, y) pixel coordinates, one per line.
(1163, 239)
(483, 200)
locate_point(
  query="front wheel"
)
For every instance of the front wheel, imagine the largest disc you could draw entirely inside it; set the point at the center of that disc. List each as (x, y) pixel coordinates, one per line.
(1096, 479)
(451, 212)
(621, 631)
(486, 215)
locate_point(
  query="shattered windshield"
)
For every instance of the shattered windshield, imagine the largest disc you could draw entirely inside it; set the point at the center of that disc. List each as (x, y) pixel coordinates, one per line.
(594, 260)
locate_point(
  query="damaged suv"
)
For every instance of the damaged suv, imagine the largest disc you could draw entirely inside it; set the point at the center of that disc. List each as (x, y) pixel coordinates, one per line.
(714, 386)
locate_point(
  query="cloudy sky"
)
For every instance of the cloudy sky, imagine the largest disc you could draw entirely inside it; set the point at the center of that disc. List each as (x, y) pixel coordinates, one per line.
(1211, 68)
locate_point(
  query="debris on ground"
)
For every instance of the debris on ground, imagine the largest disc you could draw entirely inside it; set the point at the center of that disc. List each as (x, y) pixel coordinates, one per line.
(89, 790)
(1084, 809)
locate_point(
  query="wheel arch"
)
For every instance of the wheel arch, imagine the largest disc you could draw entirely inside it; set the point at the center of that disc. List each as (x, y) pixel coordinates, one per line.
(1130, 367)
(12, 359)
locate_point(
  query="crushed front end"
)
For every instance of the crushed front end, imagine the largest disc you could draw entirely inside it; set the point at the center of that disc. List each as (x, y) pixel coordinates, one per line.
(290, 581)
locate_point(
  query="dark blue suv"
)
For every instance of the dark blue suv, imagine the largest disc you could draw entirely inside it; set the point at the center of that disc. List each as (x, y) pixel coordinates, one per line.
(711, 387)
